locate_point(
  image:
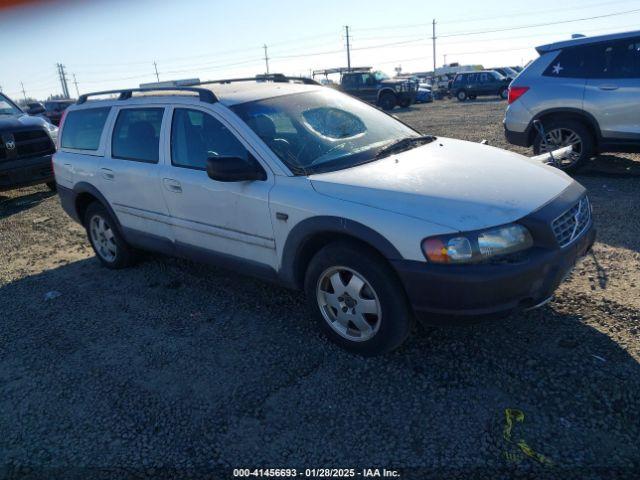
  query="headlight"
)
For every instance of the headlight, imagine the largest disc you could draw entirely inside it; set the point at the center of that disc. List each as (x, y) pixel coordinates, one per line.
(475, 247)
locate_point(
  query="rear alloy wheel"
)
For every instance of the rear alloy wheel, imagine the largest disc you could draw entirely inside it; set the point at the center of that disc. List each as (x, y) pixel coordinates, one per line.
(110, 248)
(564, 134)
(461, 95)
(357, 298)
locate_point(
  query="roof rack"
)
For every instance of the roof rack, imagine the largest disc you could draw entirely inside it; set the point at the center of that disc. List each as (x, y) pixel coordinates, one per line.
(341, 70)
(269, 77)
(125, 94)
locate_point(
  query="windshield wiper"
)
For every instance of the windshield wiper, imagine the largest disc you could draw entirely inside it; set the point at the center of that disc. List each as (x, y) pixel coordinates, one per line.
(403, 144)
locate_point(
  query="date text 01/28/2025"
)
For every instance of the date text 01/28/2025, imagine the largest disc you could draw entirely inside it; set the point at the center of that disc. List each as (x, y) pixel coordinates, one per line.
(317, 472)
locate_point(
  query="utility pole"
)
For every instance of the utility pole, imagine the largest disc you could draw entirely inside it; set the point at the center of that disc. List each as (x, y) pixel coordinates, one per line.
(346, 28)
(433, 38)
(75, 82)
(24, 94)
(155, 65)
(266, 58)
(63, 80)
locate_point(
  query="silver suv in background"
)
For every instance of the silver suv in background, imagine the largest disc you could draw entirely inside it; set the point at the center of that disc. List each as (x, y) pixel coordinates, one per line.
(585, 92)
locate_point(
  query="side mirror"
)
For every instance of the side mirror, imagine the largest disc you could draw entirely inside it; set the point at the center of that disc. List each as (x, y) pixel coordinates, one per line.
(234, 169)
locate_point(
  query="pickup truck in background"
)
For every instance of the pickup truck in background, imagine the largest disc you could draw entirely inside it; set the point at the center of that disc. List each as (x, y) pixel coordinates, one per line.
(375, 87)
(26, 146)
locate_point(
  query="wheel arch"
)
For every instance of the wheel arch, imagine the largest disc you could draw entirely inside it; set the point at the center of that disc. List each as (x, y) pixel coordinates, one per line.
(384, 90)
(86, 194)
(311, 235)
(575, 114)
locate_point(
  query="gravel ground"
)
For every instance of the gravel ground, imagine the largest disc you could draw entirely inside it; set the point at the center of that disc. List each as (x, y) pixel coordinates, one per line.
(177, 370)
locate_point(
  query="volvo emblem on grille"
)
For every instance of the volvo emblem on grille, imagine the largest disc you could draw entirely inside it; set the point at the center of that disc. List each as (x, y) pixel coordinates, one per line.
(10, 144)
(576, 217)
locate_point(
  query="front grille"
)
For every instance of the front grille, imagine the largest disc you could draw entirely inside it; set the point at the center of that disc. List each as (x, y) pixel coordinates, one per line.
(28, 143)
(572, 223)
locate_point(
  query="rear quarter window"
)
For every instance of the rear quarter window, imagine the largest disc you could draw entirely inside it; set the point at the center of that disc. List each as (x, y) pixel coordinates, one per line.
(82, 129)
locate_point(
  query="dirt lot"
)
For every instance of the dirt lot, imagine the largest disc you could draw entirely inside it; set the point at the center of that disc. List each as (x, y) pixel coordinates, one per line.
(176, 369)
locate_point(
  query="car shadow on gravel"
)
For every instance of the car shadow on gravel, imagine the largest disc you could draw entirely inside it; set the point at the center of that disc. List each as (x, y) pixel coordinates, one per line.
(614, 166)
(12, 205)
(174, 365)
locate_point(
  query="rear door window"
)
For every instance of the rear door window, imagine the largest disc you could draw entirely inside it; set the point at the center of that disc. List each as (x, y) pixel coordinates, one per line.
(83, 128)
(616, 59)
(136, 135)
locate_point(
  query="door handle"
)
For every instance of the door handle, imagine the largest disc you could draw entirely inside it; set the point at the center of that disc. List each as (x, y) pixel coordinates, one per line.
(608, 87)
(107, 173)
(172, 185)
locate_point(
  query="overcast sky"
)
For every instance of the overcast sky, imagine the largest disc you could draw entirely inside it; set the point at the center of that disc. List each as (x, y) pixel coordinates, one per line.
(113, 43)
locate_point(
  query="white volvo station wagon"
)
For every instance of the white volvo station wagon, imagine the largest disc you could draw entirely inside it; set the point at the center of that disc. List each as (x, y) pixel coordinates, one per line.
(304, 185)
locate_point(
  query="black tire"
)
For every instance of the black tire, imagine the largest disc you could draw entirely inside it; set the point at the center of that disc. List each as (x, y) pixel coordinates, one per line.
(52, 186)
(123, 253)
(395, 319)
(387, 101)
(405, 102)
(461, 95)
(504, 93)
(585, 150)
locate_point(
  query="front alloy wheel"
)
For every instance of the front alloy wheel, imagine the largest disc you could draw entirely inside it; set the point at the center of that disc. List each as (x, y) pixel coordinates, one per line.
(349, 304)
(357, 298)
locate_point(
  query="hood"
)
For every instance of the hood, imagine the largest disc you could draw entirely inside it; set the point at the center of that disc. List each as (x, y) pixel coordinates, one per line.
(461, 185)
(20, 122)
(394, 81)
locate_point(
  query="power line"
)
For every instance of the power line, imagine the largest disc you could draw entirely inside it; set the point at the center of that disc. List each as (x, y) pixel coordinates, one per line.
(492, 17)
(535, 25)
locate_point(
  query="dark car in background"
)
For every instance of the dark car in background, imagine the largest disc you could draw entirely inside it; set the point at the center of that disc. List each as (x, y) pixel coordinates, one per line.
(26, 146)
(506, 72)
(424, 95)
(469, 85)
(377, 88)
(55, 108)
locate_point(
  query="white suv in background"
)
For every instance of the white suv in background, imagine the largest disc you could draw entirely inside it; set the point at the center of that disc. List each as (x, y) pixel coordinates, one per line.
(304, 185)
(585, 92)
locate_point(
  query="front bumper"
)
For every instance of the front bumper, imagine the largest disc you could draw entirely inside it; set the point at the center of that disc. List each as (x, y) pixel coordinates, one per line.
(488, 289)
(496, 288)
(24, 172)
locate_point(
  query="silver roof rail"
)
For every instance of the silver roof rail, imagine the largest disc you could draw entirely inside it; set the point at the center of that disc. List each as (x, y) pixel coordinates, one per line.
(204, 94)
(270, 77)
